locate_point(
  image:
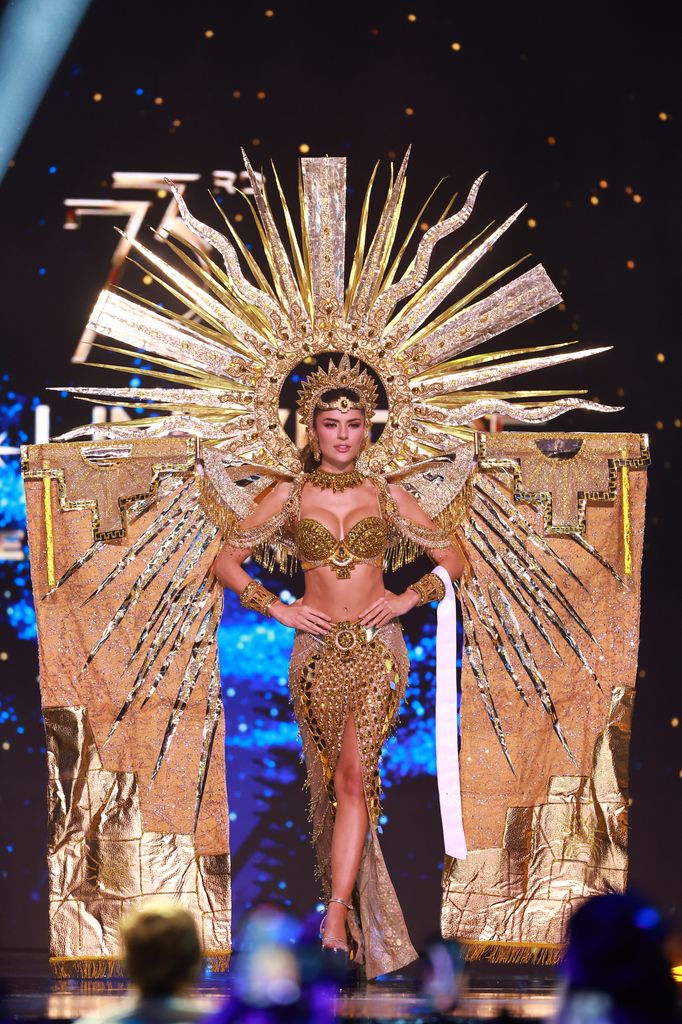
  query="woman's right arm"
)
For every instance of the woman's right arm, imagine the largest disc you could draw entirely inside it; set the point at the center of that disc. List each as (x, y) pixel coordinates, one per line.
(228, 564)
(228, 568)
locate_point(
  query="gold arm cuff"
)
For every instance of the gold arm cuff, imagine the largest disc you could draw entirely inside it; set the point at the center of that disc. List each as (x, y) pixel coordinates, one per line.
(255, 596)
(430, 588)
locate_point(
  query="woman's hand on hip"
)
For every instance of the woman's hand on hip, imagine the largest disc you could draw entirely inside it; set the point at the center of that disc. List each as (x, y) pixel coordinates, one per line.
(387, 607)
(300, 616)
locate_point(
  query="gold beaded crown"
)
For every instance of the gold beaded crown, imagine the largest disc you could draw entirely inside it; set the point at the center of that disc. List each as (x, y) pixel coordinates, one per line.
(343, 376)
(248, 324)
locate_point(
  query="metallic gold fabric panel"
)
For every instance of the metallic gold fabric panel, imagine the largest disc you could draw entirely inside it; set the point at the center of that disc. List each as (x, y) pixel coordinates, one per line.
(562, 472)
(105, 478)
(544, 839)
(131, 695)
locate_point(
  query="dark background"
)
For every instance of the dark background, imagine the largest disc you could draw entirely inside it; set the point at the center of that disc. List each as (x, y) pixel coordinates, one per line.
(551, 99)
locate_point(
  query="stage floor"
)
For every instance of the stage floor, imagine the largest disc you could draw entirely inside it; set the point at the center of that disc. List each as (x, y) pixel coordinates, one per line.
(527, 994)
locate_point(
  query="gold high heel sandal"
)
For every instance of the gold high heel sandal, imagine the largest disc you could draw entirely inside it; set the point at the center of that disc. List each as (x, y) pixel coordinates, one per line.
(340, 945)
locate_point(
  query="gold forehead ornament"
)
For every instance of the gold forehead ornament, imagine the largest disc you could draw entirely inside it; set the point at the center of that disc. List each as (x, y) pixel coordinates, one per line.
(342, 377)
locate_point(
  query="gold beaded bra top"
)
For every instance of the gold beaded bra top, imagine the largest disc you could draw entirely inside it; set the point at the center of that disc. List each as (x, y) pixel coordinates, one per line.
(366, 542)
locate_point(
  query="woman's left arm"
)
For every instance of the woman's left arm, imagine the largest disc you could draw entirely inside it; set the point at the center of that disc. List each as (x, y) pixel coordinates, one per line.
(391, 605)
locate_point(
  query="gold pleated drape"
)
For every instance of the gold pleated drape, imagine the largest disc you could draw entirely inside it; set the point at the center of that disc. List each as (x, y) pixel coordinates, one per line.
(136, 775)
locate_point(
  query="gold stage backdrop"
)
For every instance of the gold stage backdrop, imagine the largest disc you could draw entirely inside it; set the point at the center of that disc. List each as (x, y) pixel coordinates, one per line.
(545, 838)
(127, 614)
(128, 611)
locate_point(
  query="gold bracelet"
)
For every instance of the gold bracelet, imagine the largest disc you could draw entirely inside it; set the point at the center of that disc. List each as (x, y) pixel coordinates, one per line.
(255, 596)
(430, 588)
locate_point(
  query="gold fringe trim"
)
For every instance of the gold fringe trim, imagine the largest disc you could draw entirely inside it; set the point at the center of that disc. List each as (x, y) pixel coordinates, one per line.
(272, 553)
(90, 967)
(450, 517)
(215, 508)
(94, 967)
(546, 953)
(401, 552)
(217, 960)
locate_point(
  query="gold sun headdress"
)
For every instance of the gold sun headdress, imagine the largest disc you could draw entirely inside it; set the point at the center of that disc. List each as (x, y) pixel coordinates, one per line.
(334, 378)
(227, 356)
(228, 360)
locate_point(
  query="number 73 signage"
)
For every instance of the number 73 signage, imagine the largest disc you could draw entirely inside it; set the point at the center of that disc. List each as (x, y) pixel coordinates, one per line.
(136, 213)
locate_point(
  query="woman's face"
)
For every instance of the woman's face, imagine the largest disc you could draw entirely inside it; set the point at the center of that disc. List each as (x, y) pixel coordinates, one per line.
(340, 434)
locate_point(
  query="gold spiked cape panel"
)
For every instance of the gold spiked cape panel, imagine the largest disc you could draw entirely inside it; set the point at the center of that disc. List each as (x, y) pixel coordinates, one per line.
(130, 690)
(552, 832)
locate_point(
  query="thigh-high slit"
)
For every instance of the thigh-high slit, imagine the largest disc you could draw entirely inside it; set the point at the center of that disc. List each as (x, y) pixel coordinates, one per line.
(353, 672)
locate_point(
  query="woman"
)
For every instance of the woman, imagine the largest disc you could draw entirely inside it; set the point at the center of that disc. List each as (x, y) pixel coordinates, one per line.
(349, 663)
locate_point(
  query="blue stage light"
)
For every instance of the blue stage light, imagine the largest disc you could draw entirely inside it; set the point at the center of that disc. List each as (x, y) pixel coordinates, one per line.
(34, 35)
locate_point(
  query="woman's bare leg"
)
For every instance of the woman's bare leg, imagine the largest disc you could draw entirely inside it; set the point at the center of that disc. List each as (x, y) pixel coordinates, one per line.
(350, 828)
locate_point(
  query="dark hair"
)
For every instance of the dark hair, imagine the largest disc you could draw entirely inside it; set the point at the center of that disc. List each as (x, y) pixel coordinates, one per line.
(333, 395)
(616, 947)
(162, 949)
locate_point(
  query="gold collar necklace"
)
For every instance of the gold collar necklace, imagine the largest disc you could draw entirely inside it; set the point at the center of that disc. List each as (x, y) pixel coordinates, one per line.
(335, 481)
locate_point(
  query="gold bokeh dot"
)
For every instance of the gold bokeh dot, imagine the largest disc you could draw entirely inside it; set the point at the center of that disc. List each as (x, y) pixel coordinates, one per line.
(161, 193)
(636, 198)
(177, 122)
(551, 140)
(411, 17)
(678, 423)
(642, 673)
(660, 357)
(532, 223)
(239, 217)
(236, 94)
(255, 142)
(4, 655)
(675, 722)
(158, 100)
(424, 226)
(630, 264)
(5, 745)
(97, 97)
(621, 392)
(662, 116)
(260, 95)
(603, 183)
(304, 148)
(594, 200)
(629, 190)
(456, 47)
(409, 111)
(269, 13)
(659, 424)
(147, 279)
(209, 33)
(562, 307)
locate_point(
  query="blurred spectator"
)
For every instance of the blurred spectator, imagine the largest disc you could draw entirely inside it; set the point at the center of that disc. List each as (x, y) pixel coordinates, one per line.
(616, 970)
(163, 958)
(442, 974)
(280, 974)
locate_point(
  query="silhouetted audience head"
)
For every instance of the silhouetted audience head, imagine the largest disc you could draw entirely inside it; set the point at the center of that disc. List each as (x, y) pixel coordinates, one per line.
(162, 949)
(616, 952)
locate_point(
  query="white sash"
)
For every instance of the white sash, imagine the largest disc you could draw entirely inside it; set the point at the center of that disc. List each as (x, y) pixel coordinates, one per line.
(447, 757)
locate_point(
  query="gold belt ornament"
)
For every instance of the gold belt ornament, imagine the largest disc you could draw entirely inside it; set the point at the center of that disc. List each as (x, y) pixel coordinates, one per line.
(346, 637)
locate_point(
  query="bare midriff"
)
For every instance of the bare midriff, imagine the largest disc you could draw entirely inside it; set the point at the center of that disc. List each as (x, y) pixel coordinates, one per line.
(343, 599)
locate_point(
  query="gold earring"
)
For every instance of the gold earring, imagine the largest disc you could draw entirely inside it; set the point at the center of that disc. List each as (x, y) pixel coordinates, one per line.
(365, 442)
(314, 448)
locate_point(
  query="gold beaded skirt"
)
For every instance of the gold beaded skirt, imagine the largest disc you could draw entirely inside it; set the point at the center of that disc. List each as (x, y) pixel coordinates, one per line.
(363, 672)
